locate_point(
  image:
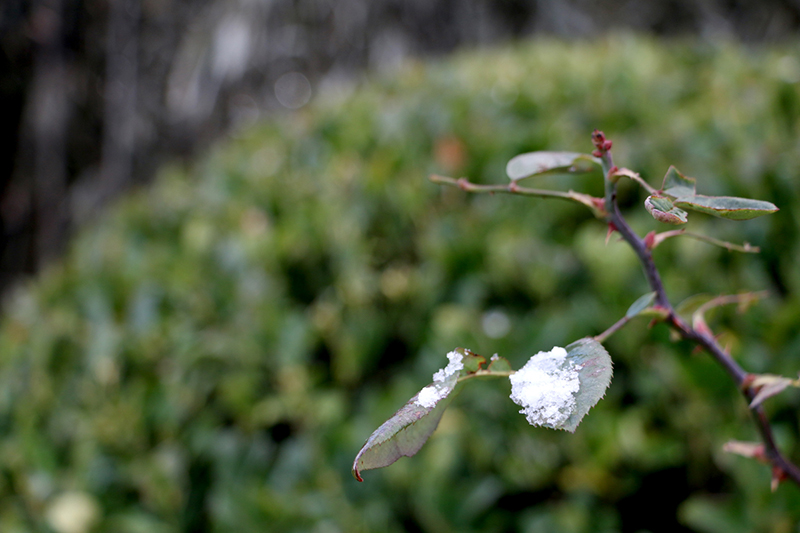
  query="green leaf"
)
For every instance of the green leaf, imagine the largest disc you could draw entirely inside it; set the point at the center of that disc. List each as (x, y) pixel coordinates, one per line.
(682, 191)
(585, 363)
(729, 207)
(408, 429)
(641, 303)
(557, 388)
(595, 376)
(676, 185)
(403, 434)
(472, 361)
(533, 163)
(498, 364)
(663, 210)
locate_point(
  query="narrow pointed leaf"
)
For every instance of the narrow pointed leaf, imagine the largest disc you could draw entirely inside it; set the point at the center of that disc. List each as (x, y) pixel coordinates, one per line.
(403, 434)
(557, 388)
(641, 303)
(729, 207)
(408, 429)
(533, 163)
(663, 210)
(677, 185)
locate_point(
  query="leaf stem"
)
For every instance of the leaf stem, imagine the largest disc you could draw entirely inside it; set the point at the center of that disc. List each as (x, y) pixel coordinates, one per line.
(512, 188)
(486, 374)
(595, 204)
(618, 223)
(618, 325)
(746, 248)
(744, 299)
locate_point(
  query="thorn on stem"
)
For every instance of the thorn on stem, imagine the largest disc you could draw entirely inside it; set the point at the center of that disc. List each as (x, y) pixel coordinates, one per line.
(750, 450)
(611, 229)
(778, 475)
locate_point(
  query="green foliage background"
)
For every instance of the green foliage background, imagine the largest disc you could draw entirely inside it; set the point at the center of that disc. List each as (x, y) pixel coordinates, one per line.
(214, 350)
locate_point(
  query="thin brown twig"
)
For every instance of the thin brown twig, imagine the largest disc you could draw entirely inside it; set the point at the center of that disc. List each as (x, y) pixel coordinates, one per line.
(729, 299)
(746, 248)
(595, 204)
(618, 325)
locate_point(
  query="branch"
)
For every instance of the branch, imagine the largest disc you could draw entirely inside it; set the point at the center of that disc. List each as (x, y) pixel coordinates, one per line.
(594, 204)
(618, 325)
(781, 466)
(658, 238)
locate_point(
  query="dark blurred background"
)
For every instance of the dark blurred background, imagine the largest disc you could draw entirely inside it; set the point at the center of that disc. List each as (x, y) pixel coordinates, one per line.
(96, 95)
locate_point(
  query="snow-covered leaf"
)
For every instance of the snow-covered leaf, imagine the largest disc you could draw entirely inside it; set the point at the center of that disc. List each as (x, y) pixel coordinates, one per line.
(402, 435)
(533, 163)
(408, 429)
(557, 388)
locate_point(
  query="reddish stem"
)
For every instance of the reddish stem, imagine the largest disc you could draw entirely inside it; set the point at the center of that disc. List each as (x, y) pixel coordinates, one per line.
(780, 464)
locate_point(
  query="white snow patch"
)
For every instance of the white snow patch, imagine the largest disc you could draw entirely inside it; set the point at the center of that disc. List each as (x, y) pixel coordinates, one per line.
(430, 396)
(546, 387)
(453, 367)
(444, 381)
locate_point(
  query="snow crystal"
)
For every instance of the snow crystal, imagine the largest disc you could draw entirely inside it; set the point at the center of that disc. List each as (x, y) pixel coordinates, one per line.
(545, 388)
(430, 396)
(453, 367)
(444, 380)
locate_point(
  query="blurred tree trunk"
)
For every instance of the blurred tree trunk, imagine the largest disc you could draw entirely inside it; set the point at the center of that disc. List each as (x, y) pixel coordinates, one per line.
(47, 115)
(119, 116)
(98, 92)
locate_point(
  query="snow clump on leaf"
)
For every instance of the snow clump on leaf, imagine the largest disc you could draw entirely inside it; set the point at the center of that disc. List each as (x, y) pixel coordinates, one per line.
(546, 388)
(443, 381)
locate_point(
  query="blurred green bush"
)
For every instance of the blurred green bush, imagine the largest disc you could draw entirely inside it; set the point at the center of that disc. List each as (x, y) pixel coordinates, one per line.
(213, 351)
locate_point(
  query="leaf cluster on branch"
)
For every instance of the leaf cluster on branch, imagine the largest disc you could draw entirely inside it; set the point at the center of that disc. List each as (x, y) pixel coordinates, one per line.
(557, 388)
